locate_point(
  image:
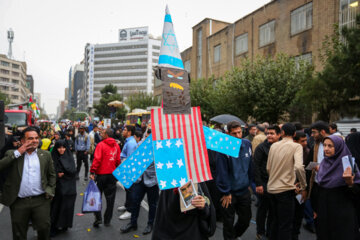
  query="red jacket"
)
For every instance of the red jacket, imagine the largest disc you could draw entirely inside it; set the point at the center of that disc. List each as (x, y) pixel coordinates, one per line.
(106, 157)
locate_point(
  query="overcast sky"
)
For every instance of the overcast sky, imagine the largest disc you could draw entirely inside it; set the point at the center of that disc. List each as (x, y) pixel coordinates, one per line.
(51, 35)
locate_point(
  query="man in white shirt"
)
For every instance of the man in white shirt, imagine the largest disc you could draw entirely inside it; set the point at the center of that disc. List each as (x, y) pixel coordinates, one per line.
(29, 187)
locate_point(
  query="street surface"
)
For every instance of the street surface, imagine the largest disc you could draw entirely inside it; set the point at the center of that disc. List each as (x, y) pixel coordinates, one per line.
(83, 229)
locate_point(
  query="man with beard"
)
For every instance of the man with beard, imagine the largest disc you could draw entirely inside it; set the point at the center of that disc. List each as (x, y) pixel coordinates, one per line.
(319, 131)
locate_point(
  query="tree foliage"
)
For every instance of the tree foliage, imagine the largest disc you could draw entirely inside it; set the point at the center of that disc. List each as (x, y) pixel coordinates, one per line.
(73, 115)
(336, 88)
(109, 94)
(142, 100)
(264, 89)
(4, 97)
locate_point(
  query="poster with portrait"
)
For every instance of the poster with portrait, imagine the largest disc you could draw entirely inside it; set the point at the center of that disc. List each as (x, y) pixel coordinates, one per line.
(187, 192)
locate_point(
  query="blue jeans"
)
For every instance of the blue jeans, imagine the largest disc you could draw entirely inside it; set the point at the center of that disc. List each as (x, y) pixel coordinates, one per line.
(308, 213)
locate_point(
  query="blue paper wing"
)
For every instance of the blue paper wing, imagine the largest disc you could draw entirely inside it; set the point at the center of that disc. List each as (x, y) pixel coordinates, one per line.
(136, 164)
(221, 142)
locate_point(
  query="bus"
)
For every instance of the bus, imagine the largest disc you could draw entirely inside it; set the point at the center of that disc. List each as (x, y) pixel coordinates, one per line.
(132, 118)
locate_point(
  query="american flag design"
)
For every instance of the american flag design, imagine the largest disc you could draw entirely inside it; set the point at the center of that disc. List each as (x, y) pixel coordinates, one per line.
(169, 163)
(189, 128)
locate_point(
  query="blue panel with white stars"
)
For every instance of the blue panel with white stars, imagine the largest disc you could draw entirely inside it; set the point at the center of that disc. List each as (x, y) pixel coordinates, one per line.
(170, 163)
(223, 143)
(136, 164)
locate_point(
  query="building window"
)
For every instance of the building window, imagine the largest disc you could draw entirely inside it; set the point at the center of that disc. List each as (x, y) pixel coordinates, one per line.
(348, 11)
(4, 79)
(187, 66)
(217, 53)
(14, 97)
(16, 66)
(301, 18)
(15, 81)
(241, 44)
(5, 64)
(3, 71)
(305, 58)
(267, 33)
(199, 53)
(15, 74)
(155, 54)
(156, 47)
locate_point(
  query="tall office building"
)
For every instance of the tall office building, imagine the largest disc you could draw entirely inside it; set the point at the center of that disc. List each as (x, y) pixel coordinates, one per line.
(127, 64)
(13, 79)
(76, 76)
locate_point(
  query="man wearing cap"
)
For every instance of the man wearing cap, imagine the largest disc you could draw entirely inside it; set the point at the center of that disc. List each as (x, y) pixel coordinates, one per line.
(82, 146)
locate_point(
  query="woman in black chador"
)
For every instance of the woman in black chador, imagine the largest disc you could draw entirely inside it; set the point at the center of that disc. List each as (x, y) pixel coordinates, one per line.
(196, 224)
(62, 207)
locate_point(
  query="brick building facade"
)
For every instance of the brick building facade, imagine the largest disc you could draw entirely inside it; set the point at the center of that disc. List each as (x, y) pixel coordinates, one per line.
(296, 28)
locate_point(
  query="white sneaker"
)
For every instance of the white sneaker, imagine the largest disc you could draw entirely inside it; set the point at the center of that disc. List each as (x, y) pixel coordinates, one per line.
(125, 215)
(122, 208)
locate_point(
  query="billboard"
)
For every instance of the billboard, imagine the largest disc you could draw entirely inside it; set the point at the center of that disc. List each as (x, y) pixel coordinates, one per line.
(133, 34)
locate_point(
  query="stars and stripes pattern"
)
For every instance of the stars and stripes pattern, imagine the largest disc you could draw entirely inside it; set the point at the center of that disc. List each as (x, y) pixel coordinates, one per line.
(223, 143)
(170, 163)
(136, 164)
(189, 128)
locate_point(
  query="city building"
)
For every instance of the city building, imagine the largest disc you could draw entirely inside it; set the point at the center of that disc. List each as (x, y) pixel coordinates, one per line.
(77, 83)
(127, 64)
(70, 90)
(297, 28)
(13, 80)
(30, 83)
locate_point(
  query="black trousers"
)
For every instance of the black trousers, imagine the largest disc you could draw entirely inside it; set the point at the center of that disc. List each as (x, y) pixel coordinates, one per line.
(36, 209)
(298, 217)
(263, 217)
(215, 196)
(107, 185)
(282, 212)
(80, 158)
(137, 194)
(241, 205)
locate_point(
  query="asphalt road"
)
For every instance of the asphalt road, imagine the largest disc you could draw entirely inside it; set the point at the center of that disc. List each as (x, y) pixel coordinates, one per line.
(83, 229)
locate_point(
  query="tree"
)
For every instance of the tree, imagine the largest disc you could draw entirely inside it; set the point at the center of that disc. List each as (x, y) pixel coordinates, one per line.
(336, 88)
(264, 89)
(202, 93)
(142, 100)
(73, 115)
(4, 97)
(109, 94)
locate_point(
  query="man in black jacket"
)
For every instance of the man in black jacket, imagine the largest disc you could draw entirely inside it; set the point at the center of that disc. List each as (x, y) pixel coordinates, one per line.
(261, 179)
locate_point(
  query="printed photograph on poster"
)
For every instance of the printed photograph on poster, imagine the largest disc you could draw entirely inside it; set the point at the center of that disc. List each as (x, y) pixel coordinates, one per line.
(187, 193)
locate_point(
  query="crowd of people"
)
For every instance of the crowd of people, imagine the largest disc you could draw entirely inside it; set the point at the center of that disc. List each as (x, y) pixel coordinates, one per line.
(292, 174)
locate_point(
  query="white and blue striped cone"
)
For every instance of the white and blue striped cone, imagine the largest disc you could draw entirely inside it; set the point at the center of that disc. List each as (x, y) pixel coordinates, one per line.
(169, 51)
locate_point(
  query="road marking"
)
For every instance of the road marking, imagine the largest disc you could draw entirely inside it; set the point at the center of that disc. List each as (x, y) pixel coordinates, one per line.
(120, 185)
(1, 207)
(145, 205)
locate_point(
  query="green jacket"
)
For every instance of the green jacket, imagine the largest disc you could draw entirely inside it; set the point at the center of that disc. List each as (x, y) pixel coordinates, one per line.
(14, 167)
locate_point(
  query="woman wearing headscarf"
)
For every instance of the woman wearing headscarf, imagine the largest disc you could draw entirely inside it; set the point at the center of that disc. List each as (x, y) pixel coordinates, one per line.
(62, 208)
(196, 224)
(338, 191)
